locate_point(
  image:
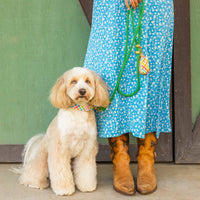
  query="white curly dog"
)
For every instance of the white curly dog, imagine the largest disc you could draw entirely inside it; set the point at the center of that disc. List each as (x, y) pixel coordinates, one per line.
(66, 154)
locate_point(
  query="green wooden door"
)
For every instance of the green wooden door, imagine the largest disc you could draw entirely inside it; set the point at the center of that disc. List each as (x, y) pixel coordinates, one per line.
(195, 57)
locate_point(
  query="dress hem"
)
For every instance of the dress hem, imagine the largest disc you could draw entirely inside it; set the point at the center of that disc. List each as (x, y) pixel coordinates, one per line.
(142, 137)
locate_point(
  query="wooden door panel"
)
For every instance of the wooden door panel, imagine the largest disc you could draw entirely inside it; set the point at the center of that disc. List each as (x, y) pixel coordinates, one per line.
(187, 139)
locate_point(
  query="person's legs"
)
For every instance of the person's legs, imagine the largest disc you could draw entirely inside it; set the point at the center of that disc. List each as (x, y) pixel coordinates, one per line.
(146, 178)
(122, 177)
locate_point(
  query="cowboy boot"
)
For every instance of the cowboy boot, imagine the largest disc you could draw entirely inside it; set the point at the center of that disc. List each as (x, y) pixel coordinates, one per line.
(146, 178)
(122, 177)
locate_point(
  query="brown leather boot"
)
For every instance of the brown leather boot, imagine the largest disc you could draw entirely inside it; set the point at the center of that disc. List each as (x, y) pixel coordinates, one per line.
(122, 176)
(146, 178)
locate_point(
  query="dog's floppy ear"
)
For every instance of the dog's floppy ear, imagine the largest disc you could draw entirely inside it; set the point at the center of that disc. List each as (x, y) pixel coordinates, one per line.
(58, 96)
(101, 98)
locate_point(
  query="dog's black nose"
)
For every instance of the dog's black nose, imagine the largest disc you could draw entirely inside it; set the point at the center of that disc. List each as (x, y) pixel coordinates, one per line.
(82, 91)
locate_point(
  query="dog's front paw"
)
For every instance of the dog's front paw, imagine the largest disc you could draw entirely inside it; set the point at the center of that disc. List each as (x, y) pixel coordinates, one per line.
(64, 190)
(86, 185)
(85, 176)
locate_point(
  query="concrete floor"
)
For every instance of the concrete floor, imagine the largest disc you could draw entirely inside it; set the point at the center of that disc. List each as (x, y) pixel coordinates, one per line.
(175, 182)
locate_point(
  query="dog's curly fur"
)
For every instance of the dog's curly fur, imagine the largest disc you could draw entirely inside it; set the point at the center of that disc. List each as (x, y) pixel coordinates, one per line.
(66, 154)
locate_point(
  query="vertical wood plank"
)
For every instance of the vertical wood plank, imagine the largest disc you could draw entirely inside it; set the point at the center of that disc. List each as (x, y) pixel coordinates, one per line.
(87, 6)
(182, 77)
(187, 141)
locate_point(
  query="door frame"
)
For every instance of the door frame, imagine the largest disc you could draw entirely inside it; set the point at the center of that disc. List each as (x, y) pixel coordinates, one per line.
(186, 139)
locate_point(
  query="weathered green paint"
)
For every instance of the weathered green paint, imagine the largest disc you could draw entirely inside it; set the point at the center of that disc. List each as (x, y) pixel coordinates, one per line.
(195, 57)
(39, 40)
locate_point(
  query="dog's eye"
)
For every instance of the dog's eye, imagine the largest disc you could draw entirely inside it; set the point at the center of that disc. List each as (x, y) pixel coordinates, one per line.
(87, 81)
(74, 82)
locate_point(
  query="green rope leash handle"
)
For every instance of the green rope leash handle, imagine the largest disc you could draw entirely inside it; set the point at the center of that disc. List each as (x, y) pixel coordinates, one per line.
(127, 53)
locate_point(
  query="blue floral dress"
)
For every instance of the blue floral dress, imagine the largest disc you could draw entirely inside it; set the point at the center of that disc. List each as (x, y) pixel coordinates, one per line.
(148, 110)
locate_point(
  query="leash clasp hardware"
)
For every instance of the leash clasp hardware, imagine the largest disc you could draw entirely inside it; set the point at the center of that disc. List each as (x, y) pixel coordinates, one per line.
(101, 109)
(139, 47)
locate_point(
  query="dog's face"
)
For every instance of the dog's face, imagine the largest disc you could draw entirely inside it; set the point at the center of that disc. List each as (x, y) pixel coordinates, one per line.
(79, 85)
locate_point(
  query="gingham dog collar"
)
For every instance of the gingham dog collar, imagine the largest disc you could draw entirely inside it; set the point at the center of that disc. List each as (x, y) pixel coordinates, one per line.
(86, 108)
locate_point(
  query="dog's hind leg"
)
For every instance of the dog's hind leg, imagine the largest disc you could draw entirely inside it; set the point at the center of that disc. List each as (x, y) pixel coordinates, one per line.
(84, 168)
(35, 171)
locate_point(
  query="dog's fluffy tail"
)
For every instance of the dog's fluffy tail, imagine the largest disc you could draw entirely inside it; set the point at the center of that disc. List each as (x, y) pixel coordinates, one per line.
(29, 152)
(31, 148)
